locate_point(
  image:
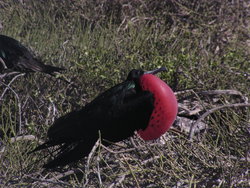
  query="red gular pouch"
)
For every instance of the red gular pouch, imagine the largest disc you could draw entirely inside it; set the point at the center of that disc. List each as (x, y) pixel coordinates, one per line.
(165, 107)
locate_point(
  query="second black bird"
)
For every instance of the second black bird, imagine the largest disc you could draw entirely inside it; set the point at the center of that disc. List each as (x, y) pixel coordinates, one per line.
(17, 58)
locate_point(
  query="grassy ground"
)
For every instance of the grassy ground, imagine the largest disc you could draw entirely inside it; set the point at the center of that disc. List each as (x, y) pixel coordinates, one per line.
(204, 45)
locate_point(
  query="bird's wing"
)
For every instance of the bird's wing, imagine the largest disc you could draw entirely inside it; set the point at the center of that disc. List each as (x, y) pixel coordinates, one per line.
(77, 132)
(11, 48)
(9, 51)
(118, 105)
(124, 119)
(69, 128)
(113, 96)
(17, 57)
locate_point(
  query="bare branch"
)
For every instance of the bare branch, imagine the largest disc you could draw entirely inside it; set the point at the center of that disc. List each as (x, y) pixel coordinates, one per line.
(66, 174)
(46, 182)
(119, 181)
(25, 137)
(116, 152)
(18, 100)
(8, 85)
(89, 159)
(193, 127)
(132, 172)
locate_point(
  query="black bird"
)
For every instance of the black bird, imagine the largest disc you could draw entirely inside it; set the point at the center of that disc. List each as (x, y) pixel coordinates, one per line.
(142, 103)
(17, 58)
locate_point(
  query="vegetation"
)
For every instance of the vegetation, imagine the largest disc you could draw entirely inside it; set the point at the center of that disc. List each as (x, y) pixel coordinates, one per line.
(204, 45)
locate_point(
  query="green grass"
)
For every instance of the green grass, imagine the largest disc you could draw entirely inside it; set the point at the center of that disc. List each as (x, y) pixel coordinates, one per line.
(203, 46)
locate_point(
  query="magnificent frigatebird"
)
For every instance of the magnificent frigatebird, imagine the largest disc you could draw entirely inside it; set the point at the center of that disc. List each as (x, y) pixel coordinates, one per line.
(142, 103)
(17, 58)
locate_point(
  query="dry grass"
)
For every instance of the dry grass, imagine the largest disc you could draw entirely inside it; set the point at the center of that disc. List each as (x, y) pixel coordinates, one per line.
(204, 45)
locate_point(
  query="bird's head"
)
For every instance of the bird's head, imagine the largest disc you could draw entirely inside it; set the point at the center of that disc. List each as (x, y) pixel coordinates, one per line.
(136, 74)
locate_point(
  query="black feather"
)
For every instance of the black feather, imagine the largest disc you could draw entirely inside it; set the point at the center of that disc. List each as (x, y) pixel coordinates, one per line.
(15, 57)
(115, 114)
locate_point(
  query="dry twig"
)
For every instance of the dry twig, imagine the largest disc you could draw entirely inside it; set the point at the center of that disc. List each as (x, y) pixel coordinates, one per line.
(193, 127)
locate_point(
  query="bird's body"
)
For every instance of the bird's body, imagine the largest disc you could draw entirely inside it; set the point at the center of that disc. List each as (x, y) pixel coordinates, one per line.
(113, 116)
(15, 57)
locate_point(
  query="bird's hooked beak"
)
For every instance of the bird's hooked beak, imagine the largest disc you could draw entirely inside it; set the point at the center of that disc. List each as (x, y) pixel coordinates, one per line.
(156, 70)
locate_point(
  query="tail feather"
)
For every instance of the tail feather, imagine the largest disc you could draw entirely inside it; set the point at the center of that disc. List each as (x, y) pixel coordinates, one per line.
(51, 69)
(69, 154)
(65, 153)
